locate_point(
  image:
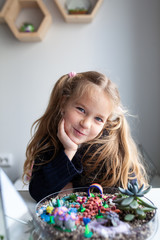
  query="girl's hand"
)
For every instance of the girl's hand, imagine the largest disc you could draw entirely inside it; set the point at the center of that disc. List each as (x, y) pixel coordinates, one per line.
(70, 148)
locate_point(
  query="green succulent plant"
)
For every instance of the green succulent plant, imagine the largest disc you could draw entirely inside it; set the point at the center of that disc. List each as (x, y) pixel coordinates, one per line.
(134, 190)
(131, 200)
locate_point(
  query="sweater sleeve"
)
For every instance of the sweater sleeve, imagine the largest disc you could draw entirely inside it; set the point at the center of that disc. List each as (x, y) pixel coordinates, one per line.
(53, 176)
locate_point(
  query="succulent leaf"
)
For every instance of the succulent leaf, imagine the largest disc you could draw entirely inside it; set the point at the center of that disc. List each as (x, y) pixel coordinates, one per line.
(122, 190)
(129, 192)
(136, 184)
(139, 211)
(129, 217)
(118, 200)
(135, 189)
(146, 204)
(141, 189)
(125, 191)
(127, 201)
(120, 207)
(141, 214)
(130, 187)
(139, 194)
(147, 190)
(147, 209)
(134, 204)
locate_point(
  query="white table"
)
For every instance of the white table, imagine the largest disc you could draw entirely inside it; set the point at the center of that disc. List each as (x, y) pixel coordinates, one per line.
(153, 195)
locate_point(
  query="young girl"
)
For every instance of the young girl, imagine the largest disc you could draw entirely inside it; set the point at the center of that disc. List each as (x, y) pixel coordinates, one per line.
(83, 137)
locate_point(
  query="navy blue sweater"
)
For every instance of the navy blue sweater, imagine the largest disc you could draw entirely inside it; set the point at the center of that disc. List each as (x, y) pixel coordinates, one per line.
(54, 175)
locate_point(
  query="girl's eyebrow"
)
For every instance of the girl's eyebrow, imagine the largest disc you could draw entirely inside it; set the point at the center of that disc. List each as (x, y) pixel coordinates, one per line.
(79, 103)
(101, 116)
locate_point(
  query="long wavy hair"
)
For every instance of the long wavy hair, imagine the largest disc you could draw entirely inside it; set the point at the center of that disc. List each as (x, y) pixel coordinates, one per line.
(115, 152)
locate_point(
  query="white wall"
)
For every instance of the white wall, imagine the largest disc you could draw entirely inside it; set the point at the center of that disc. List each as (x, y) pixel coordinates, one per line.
(123, 41)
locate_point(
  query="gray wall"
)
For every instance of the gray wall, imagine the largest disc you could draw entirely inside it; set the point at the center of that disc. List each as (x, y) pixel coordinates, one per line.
(123, 41)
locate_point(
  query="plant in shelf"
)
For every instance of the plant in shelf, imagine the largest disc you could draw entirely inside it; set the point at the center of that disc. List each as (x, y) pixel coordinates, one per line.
(130, 200)
(78, 6)
(27, 27)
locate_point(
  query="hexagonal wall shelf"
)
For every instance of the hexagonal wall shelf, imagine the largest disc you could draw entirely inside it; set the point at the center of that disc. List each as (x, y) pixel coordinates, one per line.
(83, 12)
(4, 4)
(28, 11)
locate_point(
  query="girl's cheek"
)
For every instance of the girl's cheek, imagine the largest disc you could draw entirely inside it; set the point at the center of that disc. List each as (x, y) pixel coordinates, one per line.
(99, 130)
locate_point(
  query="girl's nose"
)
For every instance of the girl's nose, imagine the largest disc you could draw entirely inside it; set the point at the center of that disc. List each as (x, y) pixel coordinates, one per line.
(85, 122)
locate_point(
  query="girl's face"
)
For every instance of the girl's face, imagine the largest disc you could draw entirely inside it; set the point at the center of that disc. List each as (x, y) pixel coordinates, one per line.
(85, 117)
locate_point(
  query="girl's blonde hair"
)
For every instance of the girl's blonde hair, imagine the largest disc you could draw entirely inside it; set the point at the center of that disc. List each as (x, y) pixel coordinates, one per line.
(114, 149)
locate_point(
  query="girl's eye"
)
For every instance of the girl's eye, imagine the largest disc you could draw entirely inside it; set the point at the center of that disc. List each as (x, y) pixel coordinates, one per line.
(81, 109)
(99, 119)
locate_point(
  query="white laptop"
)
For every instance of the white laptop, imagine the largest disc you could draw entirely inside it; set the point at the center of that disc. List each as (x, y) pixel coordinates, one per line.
(17, 222)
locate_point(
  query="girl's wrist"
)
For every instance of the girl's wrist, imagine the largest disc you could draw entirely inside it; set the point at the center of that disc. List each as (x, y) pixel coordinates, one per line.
(70, 153)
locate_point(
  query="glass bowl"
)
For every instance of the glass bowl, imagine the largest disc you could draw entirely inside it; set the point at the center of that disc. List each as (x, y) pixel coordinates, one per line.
(142, 230)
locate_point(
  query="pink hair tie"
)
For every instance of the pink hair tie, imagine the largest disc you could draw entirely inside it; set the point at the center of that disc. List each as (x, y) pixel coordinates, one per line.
(72, 74)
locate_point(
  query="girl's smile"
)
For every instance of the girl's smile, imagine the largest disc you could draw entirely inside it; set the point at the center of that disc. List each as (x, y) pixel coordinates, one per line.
(85, 117)
(78, 132)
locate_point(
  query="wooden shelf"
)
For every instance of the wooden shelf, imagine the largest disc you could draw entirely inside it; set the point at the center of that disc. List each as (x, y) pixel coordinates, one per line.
(4, 4)
(79, 18)
(30, 11)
